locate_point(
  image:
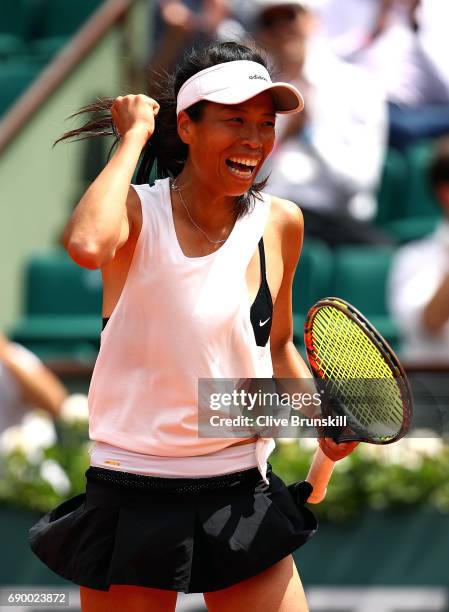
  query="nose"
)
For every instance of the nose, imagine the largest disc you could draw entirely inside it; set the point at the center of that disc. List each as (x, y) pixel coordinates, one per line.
(251, 136)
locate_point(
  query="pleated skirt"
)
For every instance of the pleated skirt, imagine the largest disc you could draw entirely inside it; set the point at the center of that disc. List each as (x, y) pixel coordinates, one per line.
(190, 535)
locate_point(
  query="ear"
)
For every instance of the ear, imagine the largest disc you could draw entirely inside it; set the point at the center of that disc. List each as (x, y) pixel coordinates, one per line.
(184, 127)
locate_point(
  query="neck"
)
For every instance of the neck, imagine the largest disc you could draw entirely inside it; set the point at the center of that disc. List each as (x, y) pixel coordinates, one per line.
(212, 211)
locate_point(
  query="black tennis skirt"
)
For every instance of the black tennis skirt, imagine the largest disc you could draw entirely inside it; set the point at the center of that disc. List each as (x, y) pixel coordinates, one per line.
(193, 535)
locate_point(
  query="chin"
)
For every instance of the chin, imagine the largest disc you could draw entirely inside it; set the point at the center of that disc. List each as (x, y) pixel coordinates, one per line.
(238, 188)
(235, 193)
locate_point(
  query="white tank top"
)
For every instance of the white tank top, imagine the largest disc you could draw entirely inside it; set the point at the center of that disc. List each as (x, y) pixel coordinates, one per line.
(178, 319)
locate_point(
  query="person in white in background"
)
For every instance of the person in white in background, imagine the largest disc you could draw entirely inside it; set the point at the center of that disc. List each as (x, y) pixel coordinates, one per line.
(390, 39)
(402, 44)
(418, 295)
(25, 383)
(419, 280)
(328, 160)
(31, 399)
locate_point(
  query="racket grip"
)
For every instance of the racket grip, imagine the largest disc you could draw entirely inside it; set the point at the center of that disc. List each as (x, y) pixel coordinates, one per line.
(319, 475)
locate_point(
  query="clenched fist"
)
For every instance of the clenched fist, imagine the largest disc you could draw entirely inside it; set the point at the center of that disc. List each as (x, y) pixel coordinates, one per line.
(336, 451)
(135, 114)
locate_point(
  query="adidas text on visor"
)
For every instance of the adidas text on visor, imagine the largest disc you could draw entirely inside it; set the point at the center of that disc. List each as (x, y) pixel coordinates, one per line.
(234, 83)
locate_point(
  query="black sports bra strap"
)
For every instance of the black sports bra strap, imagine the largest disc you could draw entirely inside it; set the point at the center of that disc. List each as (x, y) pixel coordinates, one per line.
(262, 259)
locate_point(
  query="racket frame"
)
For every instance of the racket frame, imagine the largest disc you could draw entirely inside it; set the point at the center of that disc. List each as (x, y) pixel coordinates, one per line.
(381, 344)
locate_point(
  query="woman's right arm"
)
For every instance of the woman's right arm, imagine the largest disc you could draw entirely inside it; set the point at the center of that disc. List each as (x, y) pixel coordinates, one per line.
(100, 223)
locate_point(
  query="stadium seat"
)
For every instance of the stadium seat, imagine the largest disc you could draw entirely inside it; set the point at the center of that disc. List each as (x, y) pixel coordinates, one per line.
(10, 46)
(15, 77)
(408, 209)
(412, 228)
(62, 307)
(420, 201)
(13, 28)
(360, 276)
(31, 33)
(391, 193)
(56, 285)
(56, 22)
(311, 282)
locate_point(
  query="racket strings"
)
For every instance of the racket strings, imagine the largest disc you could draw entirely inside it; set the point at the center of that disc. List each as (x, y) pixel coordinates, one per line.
(345, 348)
(348, 357)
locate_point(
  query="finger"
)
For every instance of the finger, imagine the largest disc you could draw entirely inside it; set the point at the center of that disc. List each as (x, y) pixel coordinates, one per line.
(117, 101)
(155, 106)
(147, 99)
(336, 451)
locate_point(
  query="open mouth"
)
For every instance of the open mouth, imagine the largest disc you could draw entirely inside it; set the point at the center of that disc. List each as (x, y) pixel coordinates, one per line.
(243, 168)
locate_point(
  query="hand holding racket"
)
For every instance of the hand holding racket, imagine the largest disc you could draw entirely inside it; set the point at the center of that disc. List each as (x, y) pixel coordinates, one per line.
(350, 356)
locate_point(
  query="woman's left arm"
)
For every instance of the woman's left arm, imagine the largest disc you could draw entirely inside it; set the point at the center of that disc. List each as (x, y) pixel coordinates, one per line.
(287, 362)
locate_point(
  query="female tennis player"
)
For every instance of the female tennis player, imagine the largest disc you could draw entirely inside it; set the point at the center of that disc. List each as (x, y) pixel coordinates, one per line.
(197, 273)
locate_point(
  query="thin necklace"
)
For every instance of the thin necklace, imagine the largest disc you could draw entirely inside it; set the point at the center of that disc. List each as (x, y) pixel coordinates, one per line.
(175, 187)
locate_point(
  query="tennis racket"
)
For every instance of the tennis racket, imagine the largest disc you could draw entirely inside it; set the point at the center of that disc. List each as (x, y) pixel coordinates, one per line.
(362, 379)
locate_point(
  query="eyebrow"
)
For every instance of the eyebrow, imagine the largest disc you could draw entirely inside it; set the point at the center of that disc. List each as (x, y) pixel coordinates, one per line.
(236, 108)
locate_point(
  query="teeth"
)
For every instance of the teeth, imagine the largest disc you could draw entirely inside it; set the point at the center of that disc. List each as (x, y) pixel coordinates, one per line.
(247, 162)
(243, 173)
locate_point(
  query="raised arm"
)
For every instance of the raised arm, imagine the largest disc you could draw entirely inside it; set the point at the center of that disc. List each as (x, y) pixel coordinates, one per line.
(100, 223)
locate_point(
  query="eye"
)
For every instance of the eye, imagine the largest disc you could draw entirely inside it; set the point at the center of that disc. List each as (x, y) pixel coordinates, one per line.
(270, 124)
(237, 119)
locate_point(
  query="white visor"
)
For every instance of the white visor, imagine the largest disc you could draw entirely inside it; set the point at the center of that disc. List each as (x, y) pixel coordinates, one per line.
(236, 82)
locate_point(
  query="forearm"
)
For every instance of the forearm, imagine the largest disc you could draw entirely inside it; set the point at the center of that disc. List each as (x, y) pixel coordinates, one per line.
(436, 313)
(294, 377)
(288, 363)
(95, 225)
(39, 387)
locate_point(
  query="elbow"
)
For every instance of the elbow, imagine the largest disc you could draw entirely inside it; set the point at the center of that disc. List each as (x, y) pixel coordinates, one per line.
(88, 255)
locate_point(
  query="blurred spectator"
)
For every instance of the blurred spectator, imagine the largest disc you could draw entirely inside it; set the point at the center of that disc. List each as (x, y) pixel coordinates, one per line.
(183, 23)
(25, 384)
(419, 280)
(329, 158)
(402, 45)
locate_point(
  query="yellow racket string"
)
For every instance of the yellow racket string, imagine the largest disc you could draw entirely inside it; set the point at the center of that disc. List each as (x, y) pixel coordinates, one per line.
(347, 356)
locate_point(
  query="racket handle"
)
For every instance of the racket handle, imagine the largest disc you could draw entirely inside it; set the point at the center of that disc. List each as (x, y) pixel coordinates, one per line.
(319, 476)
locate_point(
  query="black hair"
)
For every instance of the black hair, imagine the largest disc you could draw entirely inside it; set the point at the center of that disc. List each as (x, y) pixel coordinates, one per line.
(165, 152)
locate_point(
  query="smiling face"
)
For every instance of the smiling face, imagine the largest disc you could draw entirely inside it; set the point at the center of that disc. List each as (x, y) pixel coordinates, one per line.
(229, 144)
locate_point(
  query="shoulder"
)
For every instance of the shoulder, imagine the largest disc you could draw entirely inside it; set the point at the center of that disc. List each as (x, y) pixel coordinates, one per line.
(288, 223)
(148, 197)
(287, 216)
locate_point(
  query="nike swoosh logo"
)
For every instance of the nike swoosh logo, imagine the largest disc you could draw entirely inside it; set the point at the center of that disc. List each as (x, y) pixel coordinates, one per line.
(262, 324)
